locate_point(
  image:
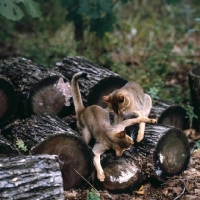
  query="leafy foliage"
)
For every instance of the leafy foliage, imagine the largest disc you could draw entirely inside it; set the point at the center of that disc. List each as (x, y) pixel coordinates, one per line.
(12, 10)
(190, 114)
(20, 144)
(98, 14)
(92, 195)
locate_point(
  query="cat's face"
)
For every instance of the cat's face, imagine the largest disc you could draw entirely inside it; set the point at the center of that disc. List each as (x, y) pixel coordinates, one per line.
(124, 143)
(118, 102)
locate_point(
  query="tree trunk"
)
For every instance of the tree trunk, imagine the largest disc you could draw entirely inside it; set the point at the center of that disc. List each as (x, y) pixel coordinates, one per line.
(194, 83)
(43, 134)
(37, 87)
(164, 152)
(6, 148)
(9, 100)
(71, 65)
(168, 113)
(30, 177)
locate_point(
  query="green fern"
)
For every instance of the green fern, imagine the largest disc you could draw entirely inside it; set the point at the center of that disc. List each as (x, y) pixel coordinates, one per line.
(20, 144)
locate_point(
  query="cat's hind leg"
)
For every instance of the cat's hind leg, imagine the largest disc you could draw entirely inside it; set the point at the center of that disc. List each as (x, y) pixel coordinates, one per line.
(98, 149)
(86, 135)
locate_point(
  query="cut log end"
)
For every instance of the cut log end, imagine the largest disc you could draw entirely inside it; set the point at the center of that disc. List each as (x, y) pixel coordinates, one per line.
(174, 116)
(171, 154)
(8, 100)
(74, 156)
(4, 103)
(122, 174)
(49, 97)
(195, 71)
(104, 87)
(48, 100)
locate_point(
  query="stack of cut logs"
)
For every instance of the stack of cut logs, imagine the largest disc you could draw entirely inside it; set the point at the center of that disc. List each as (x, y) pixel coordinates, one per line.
(41, 152)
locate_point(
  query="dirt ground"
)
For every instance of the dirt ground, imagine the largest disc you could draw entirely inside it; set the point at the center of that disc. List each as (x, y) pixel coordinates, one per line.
(184, 187)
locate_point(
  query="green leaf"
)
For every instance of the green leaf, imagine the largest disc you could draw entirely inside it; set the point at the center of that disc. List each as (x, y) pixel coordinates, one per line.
(32, 8)
(10, 10)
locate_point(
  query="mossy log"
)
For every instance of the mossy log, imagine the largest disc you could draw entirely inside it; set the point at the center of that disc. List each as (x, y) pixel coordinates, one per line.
(30, 177)
(43, 134)
(168, 113)
(194, 84)
(36, 86)
(6, 148)
(8, 100)
(71, 65)
(164, 152)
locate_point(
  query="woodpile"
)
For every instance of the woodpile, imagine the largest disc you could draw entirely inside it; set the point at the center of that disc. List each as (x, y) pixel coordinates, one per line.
(34, 101)
(30, 177)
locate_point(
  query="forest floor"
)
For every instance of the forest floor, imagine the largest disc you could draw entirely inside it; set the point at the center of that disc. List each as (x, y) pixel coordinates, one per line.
(185, 186)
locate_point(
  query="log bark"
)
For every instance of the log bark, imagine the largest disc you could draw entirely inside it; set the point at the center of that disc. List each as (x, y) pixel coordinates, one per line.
(43, 134)
(171, 114)
(194, 84)
(6, 148)
(8, 100)
(30, 177)
(71, 65)
(164, 152)
(36, 87)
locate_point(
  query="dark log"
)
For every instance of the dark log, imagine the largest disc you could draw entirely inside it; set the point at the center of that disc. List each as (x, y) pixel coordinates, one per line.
(6, 148)
(71, 65)
(164, 151)
(194, 84)
(43, 134)
(8, 100)
(37, 87)
(168, 113)
(30, 177)
(123, 174)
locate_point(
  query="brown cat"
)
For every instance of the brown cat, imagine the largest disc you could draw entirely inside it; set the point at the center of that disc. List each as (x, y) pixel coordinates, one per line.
(129, 100)
(93, 122)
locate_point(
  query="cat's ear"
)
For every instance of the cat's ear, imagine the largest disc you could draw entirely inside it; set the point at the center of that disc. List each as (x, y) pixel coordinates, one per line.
(120, 134)
(60, 81)
(105, 99)
(121, 98)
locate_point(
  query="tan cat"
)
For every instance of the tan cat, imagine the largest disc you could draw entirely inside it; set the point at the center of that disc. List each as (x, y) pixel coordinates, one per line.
(93, 122)
(129, 100)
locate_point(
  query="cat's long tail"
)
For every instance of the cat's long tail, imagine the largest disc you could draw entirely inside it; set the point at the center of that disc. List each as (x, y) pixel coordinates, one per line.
(78, 103)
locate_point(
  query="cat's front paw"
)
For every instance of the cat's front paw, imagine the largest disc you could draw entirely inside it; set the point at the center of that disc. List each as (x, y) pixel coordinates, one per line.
(153, 121)
(101, 176)
(140, 136)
